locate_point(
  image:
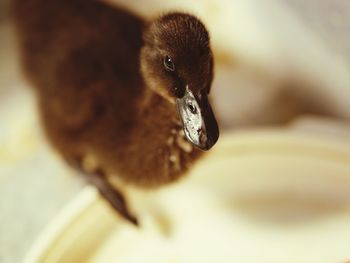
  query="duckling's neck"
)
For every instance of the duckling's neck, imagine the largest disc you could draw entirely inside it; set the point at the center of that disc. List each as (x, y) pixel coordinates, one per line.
(162, 111)
(157, 143)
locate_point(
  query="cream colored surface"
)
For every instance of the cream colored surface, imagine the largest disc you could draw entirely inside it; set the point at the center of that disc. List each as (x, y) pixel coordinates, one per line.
(268, 196)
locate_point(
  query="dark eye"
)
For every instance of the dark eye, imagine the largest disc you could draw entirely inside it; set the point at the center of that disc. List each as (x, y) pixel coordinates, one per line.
(168, 64)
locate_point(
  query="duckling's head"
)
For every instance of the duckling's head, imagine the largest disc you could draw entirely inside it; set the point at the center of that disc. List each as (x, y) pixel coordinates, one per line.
(177, 64)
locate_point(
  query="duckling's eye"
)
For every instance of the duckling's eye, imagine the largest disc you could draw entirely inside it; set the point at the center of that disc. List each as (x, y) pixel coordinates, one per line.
(168, 64)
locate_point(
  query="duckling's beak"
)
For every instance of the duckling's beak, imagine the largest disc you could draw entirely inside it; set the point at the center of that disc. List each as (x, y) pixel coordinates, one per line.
(198, 120)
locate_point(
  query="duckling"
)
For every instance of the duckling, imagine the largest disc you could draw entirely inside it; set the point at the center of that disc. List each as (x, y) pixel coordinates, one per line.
(129, 94)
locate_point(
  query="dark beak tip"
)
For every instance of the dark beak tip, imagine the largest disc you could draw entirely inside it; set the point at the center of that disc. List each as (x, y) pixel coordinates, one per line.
(210, 142)
(206, 147)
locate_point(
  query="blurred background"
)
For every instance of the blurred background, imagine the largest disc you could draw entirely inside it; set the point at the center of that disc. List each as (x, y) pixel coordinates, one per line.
(278, 63)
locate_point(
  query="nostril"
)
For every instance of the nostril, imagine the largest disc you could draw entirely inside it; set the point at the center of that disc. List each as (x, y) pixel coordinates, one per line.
(192, 108)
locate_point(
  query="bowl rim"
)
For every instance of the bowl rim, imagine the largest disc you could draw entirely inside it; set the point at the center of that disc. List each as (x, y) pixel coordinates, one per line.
(230, 143)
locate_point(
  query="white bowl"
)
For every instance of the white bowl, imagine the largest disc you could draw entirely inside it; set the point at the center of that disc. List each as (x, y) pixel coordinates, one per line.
(267, 196)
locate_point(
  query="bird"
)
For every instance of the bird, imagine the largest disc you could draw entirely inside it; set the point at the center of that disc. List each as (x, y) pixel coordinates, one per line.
(119, 95)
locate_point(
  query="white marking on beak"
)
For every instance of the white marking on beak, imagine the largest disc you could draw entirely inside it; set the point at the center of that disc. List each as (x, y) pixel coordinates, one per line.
(191, 117)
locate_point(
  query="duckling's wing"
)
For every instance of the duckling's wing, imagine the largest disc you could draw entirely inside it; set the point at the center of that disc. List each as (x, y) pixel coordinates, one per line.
(78, 55)
(78, 92)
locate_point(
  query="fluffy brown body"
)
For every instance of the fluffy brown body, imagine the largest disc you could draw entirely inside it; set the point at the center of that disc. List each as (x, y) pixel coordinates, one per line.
(99, 100)
(83, 59)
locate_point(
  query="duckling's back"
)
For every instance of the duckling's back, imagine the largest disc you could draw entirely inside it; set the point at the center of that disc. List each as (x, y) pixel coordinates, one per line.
(82, 58)
(52, 32)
